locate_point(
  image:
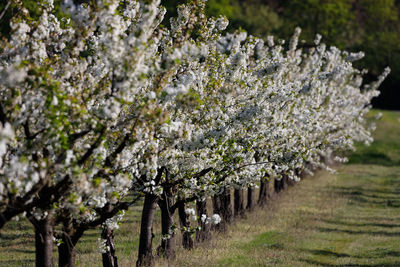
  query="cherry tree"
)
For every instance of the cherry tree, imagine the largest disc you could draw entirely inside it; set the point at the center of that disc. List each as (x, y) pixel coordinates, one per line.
(78, 112)
(104, 105)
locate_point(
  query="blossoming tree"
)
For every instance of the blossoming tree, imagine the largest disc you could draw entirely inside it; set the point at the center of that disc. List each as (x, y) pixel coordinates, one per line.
(104, 105)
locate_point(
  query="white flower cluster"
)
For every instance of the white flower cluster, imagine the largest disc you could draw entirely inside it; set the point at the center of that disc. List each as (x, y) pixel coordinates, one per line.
(102, 245)
(191, 212)
(113, 223)
(214, 219)
(94, 109)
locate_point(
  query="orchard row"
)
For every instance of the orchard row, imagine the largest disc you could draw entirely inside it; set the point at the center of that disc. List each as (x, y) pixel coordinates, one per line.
(102, 104)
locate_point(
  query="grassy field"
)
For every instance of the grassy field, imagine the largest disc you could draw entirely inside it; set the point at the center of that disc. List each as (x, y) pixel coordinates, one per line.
(347, 219)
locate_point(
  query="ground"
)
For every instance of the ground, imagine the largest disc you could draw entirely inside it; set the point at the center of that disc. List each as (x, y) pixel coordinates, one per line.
(351, 218)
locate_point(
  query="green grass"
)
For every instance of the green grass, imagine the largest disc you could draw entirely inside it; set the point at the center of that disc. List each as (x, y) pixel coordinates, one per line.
(351, 218)
(385, 150)
(347, 219)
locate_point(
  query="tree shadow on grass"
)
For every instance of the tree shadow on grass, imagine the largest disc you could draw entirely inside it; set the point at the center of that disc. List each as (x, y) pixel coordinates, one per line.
(328, 253)
(15, 239)
(358, 232)
(24, 251)
(14, 236)
(368, 192)
(17, 262)
(383, 252)
(19, 226)
(360, 200)
(358, 224)
(320, 263)
(394, 219)
(369, 196)
(377, 253)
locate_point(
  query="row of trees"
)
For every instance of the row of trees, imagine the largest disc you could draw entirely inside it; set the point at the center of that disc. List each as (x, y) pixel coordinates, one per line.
(372, 26)
(101, 104)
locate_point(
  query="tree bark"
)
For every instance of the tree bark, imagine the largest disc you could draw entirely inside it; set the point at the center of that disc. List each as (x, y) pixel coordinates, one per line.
(285, 182)
(278, 185)
(145, 256)
(167, 247)
(226, 206)
(301, 173)
(43, 241)
(282, 184)
(250, 198)
(264, 192)
(217, 209)
(66, 252)
(222, 206)
(187, 241)
(289, 182)
(204, 233)
(238, 203)
(109, 258)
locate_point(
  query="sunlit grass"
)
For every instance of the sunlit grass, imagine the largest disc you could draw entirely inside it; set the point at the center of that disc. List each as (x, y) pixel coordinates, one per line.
(348, 219)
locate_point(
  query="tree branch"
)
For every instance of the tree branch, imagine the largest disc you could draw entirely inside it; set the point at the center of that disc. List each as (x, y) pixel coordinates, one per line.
(5, 9)
(90, 151)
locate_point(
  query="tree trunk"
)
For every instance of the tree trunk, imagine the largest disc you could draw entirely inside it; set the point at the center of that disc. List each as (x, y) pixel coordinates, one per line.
(277, 186)
(187, 241)
(238, 203)
(264, 192)
(290, 182)
(204, 233)
(43, 241)
(167, 247)
(66, 252)
(217, 209)
(301, 173)
(280, 185)
(69, 236)
(250, 198)
(222, 206)
(109, 258)
(145, 256)
(285, 182)
(226, 206)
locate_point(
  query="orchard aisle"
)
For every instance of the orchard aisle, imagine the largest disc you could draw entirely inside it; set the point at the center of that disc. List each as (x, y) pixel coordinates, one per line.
(348, 219)
(351, 218)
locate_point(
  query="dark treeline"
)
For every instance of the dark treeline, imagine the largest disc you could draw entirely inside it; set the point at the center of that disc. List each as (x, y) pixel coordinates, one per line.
(372, 26)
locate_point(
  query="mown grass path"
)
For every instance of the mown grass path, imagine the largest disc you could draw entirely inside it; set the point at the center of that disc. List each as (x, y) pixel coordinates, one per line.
(347, 219)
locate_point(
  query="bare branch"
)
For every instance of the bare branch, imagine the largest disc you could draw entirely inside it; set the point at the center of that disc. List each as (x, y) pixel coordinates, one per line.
(5, 9)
